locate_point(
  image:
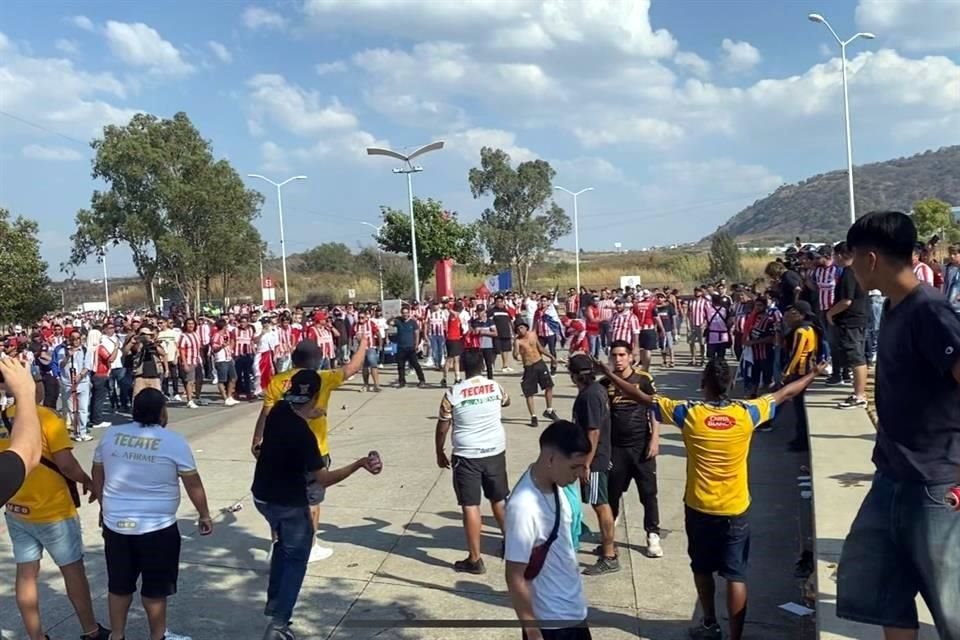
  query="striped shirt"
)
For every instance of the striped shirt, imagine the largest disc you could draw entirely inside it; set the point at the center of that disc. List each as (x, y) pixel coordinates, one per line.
(573, 304)
(607, 309)
(323, 337)
(698, 312)
(764, 326)
(206, 333)
(285, 334)
(367, 329)
(243, 337)
(189, 346)
(826, 280)
(923, 272)
(543, 328)
(624, 326)
(222, 339)
(438, 322)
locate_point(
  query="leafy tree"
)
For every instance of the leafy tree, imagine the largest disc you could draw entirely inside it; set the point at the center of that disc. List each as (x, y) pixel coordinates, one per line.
(440, 235)
(184, 216)
(724, 257)
(329, 257)
(25, 293)
(932, 216)
(524, 223)
(397, 281)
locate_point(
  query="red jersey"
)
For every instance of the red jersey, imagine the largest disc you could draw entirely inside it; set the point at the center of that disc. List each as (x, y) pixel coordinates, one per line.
(454, 326)
(645, 310)
(577, 332)
(624, 326)
(189, 347)
(369, 330)
(593, 320)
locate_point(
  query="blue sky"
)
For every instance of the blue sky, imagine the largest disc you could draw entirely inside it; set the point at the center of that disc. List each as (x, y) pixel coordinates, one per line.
(678, 113)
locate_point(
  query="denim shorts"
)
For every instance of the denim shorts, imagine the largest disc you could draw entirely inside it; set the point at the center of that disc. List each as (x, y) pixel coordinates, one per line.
(718, 544)
(62, 540)
(371, 358)
(904, 541)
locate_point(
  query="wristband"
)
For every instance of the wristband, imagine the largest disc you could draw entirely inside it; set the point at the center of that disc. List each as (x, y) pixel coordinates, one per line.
(952, 499)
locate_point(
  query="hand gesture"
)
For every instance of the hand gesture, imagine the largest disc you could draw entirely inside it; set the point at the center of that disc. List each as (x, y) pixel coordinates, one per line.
(372, 464)
(822, 367)
(18, 379)
(205, 526)
(653, 449)
(442, 460)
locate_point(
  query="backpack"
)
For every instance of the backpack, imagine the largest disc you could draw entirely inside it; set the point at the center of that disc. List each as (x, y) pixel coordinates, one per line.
(49, 464)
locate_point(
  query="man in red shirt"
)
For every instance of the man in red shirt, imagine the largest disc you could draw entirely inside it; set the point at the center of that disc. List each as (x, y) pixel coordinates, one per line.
(645, 310)
(367, 328)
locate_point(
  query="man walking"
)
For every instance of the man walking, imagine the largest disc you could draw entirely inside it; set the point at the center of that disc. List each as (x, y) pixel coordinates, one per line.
(472, 411)
(407, 339)
(528, 350)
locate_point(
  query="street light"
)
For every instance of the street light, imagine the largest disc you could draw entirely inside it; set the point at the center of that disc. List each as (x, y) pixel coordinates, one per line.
(106, 282)
(283, 246)
(410, 169)
(379, 255)
(576, 227)
(816, 17)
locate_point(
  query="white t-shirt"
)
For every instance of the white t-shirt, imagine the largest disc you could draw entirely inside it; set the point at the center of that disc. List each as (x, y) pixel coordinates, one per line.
(110, 342)
(268, 341)
(169, 338)
(141, 469)
(474, 407)
(381, 325)
(558, 589)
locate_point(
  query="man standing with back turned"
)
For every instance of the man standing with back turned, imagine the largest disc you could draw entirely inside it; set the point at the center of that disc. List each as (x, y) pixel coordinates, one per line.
(906, 538)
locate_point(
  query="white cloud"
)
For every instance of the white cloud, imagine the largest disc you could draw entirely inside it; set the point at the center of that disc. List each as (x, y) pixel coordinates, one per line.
(326, 68)
(5, 42)
(468, 143)
(650, 132)
(825, 50)
(140, 45)
(258, 18)
(220, 51)
(739, 55)
(82, 22)
(68, 47)
(349, 146)
(528, 37)
(295, 109)
(693, 63)
(39, 152)
(588, 168)
(411, 111)
(917, 25)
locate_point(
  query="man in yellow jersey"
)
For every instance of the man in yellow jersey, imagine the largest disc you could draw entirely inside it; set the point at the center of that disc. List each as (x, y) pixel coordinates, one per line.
(307, 356)
(42, 516)
(716, 433)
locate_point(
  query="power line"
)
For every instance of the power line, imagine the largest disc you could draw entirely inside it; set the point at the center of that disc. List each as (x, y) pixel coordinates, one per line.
(35, 125)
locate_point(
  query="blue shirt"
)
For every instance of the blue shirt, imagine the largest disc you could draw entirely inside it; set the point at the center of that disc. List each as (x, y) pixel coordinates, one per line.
(405, 333)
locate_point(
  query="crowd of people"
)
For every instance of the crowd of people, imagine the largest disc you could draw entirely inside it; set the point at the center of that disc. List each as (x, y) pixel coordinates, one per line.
(817, 312)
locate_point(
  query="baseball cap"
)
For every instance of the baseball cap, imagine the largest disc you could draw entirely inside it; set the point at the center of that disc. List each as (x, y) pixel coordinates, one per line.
(825, 251)
(579, 363)
(304, 387)
(802, 307)
(307, 349)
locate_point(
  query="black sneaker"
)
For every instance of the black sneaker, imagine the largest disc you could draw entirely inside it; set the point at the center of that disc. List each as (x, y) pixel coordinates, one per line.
(551, 415)
(276, 631)
(603, 565)
(534, 422)
(804, 566)
(853, 402)
(99, 634)
(705, 632)
(798, 447)
(833, 381)
(443, 383)
(421, 385)
(468, 566)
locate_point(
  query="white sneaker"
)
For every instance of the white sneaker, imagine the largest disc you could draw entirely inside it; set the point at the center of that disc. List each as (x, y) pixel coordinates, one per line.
(177, 398)
(102, 425)
(83, 437)
(192, 405)
(828, 370)
(506, 370)
(654, 550)
(318, 553)
(169, 635)
(231, 401)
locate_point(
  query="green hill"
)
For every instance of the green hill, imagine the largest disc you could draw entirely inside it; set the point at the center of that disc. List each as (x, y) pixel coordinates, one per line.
(817, 207)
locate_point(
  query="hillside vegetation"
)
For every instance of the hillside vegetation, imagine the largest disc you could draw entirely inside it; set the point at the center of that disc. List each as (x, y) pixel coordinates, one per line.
(817, 208)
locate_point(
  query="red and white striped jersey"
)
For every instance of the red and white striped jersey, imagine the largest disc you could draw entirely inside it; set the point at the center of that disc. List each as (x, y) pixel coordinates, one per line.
(189, 347)
(206, 333)
(624, 326)
(543, 328)
(285, 334)
(369, 330)
(644, 310)
(437, 322)
(243, 338)
(923, 272)
(607, 309)
(222, 339)
(698, 311)
(573, 304)
(296, 333)
(826, 277)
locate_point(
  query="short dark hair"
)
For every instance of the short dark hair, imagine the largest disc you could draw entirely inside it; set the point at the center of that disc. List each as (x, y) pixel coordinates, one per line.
(621, 343)
(565, 437)
(717, 376)
(148, 406)
(472, 363)
(841, 249)
(892, 234)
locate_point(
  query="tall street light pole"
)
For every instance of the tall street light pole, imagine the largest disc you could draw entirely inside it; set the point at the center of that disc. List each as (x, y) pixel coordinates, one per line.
(283, 246)
(816, 17)
(576, 227)
(409, 169)
(379, 256)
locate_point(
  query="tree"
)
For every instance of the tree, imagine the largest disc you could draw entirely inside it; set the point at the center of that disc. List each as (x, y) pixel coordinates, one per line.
(329, 257)
(440, 235)
(184, 216)
(932, 217)
(25, 293)
(724, 257)
(396, 281)
(524, 223)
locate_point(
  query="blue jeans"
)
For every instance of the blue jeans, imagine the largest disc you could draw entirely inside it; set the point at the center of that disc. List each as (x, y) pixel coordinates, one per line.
(875, 309)
(904, 541)
(593, 343)
(293, 529)
(437, 343)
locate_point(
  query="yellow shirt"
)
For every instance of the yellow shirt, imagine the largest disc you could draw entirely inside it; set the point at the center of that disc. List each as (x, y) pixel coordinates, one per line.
(44, 497)
(717, 438)
(329, 380)
(803, 351)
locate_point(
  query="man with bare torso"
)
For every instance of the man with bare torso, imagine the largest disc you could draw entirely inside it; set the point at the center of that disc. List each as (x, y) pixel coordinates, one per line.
(536, 376)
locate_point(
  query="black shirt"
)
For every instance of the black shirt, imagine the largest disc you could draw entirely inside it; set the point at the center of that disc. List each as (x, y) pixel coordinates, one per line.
(666, 313)
(917, 397)
(629, 420)
(289, 451)
(405, 332)
(786, 289)
(503, 322)
(847, 288)
(592, 411)
(12, 474)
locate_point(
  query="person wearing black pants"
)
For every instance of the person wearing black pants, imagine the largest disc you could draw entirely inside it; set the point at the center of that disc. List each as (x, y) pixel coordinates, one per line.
(407, 339)
(99, 392)
(245, 374)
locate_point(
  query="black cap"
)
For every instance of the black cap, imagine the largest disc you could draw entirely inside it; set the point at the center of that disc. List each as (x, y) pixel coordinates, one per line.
(579, 363)
(307, 349)
(802, 307)
(825, 251)
(304, 387)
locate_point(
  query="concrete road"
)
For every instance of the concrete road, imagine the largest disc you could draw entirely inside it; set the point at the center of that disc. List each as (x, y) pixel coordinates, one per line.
(396, 536)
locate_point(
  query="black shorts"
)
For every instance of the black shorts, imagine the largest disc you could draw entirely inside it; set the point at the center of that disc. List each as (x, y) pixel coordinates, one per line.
(718, 544)
(535, 377)
(152, 557)
(850, 345)
(648, 339)
(188, 373)
(454, 348)
(594, 490)
(471, 475)
(503, 345)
